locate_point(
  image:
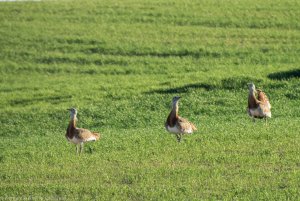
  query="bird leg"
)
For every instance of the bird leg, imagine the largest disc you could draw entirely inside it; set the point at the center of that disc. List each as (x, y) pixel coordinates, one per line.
(266, 122)
(77, 148)
(81, 147)
(178, 137)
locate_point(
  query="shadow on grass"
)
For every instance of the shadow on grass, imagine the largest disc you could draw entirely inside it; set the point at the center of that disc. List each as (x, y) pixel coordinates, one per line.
(239, 82)
(292, 96)
(176, 53)
(285, 75)
(53, 99)
(231, 83)
(9, 90)
(183, 89)
(80, 61)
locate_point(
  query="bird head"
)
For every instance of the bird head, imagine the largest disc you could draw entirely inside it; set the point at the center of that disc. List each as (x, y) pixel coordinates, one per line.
(175, 99)
(73, 112)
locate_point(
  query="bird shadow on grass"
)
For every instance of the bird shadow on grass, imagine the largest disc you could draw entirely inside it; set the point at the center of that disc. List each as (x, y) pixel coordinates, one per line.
(231, 83)
(90, 149)
(183, 89)
(285, 75)
(238, 82)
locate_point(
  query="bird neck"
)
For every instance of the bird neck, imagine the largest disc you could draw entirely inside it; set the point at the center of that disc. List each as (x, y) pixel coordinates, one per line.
(73, 121)
(252, 100)
(173, 116)
(175, 109)
(251, 92)
(71, 127)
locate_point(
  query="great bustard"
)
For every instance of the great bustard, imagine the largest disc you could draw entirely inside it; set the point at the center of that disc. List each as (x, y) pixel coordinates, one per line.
(258, 106)
(176, 124)
(79, 136)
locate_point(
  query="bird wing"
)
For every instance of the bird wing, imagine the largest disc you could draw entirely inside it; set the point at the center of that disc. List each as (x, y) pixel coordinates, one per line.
(264, 104)
(86, 135)
(185, 126)
(264, 100)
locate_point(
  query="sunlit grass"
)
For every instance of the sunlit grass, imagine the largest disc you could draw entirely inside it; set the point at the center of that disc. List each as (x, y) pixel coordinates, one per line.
(120, 63)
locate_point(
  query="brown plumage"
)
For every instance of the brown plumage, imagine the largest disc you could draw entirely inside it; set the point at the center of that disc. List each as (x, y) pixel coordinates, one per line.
(79, 135)
(258, 106)
(262, 97)
(176, 124)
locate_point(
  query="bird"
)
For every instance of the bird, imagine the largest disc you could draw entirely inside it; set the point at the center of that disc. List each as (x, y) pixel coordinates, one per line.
(79, 136)
(258, 106)
(176, 124)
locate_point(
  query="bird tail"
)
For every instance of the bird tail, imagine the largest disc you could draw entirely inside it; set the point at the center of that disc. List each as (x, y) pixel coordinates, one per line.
(97, 135)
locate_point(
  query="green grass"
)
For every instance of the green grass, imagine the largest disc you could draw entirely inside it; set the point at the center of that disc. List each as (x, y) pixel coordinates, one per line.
(120, 63)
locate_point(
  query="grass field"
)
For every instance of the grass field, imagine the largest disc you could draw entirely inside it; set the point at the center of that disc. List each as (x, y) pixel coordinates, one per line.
(120, 63)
